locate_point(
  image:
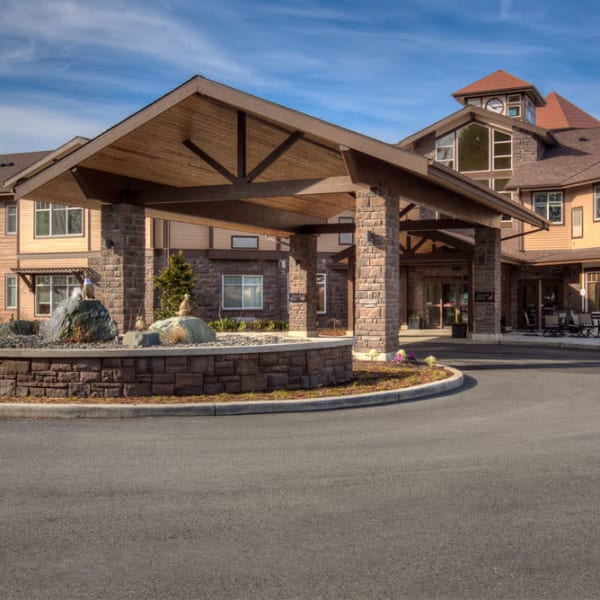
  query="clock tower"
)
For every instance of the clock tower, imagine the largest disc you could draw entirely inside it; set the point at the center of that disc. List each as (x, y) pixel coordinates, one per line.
(503, 94)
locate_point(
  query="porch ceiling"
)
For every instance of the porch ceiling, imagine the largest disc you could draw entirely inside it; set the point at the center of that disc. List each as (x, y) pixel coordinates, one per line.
(210, 154)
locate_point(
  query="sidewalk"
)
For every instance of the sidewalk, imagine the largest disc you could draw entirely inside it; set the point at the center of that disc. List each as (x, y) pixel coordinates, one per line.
(517, 338)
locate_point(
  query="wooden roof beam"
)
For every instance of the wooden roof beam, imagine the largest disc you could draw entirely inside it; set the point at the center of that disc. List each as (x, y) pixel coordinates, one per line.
(243, 191)
(429, 224)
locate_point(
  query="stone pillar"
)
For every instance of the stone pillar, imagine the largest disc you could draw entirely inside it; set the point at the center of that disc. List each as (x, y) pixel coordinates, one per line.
(122, 263)
(377, 274)
(303, 285)
(350, 296)
(487, 284)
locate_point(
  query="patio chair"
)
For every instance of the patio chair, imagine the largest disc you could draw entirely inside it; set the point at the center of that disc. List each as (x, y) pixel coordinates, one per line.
(531, 325)
(552, 325)
(575, 327)
(587, 324)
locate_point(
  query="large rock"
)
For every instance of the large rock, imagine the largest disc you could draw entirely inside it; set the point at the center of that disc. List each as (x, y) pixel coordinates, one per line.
(79, 320)
(184, 330)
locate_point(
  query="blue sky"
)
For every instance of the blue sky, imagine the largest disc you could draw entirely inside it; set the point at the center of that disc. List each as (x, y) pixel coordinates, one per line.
(385, 68)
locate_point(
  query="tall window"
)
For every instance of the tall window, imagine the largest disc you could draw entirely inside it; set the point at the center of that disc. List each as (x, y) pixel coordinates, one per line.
(502, 150)
(597, 203)
(549, 205)
(11, 218)
(242, 292)
(321, 293)
(346, 239)
(50, 290)
(592, 279)
(474, 148)
(11, 291)
(57, 220)
(444, 150)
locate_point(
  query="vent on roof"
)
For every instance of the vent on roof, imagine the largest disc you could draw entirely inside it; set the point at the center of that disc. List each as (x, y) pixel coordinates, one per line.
(584, 139)
(7, 164)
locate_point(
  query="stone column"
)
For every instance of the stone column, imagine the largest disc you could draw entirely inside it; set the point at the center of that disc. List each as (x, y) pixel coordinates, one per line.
(122, 263)
(487, 284)
(377, 274)
(303, 285)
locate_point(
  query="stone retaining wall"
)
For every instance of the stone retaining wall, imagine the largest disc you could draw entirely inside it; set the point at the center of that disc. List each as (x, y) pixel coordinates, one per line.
(174, 372)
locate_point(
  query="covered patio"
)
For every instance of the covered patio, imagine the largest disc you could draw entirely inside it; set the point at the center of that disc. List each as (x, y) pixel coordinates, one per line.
(206, 153)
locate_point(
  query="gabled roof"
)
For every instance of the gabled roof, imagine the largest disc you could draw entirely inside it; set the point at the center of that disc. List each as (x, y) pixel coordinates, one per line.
(11, 164)
(471, 113)
(499, 81)
(559, 113)
(574, 161)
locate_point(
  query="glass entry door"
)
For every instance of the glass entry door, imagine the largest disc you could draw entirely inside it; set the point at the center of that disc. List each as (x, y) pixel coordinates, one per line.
(443, 301)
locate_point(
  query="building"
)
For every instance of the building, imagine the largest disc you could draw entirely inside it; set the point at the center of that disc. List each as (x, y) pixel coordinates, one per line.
(277, 211)
(543, 153)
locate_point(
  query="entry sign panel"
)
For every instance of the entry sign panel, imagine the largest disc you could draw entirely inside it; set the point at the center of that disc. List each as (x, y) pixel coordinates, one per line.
(297, 297)
(484, 296)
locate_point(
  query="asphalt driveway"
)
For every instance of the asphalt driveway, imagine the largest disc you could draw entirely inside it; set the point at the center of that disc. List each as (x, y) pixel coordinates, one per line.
(491, 491)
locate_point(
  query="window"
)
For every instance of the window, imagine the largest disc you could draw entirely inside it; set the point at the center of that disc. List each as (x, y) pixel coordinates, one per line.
(499, 187)
(577, 222)
(592, 285)
(242, 292)
(11, 291)
(244, 241)
(597, 203)
(502, 150)
(321, 293)
(346, 239)
(444, 150)
(549, 205)
(57, 220)
(11, 219)
(473, 148)
(51, 290)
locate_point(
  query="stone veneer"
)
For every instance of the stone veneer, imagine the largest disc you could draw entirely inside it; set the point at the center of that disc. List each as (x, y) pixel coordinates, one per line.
(105, 373)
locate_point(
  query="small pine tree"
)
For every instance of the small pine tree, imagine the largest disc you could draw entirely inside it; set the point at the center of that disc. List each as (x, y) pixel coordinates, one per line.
(173, 282)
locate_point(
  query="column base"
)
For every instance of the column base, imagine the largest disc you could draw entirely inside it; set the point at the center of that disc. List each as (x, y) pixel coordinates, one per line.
(485, 337)
(302, 334)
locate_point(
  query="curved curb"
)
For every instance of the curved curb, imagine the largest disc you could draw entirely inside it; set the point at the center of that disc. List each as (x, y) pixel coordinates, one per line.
(15, 410)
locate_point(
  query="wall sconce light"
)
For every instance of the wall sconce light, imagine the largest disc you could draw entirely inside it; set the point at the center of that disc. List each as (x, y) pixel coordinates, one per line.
(370, 237)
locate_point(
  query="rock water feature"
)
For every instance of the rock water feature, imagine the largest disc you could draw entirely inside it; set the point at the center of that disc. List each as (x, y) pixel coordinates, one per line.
(79, 320)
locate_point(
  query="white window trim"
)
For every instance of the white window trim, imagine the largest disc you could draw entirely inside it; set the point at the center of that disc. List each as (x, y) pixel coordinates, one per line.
(8, 231)
(50, 210)
(16, 286)
(597, 203)
(52, 285)
(262, 295)
(562, 205)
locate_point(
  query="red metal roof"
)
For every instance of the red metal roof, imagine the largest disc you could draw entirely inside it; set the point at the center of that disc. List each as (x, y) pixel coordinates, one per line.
(559, 113)
(499, 81)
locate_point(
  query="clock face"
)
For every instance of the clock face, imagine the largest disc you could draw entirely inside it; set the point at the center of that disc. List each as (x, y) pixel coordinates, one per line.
(495, 105)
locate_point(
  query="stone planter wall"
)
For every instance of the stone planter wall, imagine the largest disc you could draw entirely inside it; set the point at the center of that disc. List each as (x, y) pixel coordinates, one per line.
(173, 372)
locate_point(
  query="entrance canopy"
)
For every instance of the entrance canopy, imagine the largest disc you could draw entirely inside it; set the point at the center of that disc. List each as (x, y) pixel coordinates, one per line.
(207, 153)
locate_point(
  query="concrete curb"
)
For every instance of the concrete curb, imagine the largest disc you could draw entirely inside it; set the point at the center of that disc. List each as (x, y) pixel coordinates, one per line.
(16, 410)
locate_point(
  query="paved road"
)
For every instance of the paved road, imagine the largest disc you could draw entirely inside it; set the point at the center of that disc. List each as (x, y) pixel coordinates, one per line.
(489, 492)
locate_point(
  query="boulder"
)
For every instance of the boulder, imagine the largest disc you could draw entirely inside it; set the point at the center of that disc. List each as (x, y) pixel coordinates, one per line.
(183, 330)
(141, 339)
(79, 320)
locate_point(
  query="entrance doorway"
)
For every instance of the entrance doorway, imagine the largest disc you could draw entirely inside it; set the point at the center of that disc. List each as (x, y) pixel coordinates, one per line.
(443, 301)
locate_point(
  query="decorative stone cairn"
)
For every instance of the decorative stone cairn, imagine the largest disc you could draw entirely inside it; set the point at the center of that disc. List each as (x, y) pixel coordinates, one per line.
(79, 320)
(185, 308)
(184, 330)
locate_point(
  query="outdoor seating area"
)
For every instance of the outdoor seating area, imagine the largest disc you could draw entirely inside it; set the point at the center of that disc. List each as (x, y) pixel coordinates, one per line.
(573, 324)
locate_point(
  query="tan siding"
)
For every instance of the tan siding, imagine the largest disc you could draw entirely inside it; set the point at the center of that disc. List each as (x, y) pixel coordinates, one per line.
(330, 242)
(95, 230)
(149, 237)
(29, 244)
(584, 197)
(187, 236)
(557, 238)
(51, 263)
(222, 239)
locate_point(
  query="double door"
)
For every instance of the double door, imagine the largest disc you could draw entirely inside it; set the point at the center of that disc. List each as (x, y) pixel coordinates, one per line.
(443, 301)
(538, 297)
